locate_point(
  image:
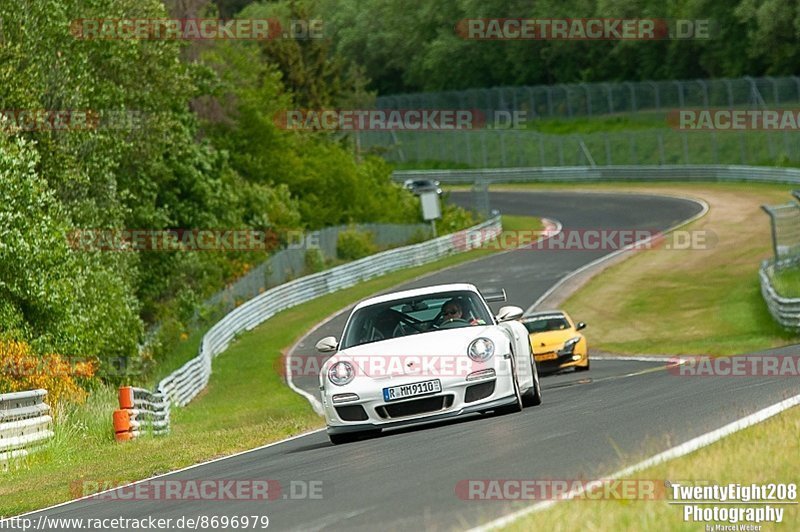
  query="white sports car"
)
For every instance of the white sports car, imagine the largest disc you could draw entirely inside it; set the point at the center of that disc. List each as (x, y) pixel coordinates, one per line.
(424, 355)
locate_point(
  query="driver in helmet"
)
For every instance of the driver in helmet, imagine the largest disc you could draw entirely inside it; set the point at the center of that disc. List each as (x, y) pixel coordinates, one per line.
(452, 311)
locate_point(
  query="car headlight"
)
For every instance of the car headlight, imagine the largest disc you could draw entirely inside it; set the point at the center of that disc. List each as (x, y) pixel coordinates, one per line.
(570, 344)
(341, 373)
(481, 349)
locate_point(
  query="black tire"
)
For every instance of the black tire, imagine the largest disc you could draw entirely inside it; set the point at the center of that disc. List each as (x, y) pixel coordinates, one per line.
(513, 407)
(533, 397)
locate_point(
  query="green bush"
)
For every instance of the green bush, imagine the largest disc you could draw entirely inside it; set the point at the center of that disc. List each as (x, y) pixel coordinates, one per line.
(353, 244)
(315, 261)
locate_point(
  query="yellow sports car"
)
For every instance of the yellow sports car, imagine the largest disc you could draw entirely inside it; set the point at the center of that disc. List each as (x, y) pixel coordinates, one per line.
(556, 342)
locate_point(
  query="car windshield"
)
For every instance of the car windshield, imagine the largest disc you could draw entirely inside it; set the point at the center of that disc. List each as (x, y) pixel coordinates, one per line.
(422, 314)
(553, 322)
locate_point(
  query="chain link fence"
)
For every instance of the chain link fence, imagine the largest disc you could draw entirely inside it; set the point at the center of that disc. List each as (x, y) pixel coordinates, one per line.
(646, 143)
(292, 262)
(520, 148)
(591, 99)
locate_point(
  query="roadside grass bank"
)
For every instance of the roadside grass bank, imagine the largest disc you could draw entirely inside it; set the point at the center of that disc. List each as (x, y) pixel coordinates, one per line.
(246, 405)
(761, 454)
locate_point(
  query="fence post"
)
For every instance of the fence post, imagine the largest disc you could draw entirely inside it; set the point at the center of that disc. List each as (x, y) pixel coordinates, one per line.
(680, 92)
(773, 231)
(634, 107)
(729, 88)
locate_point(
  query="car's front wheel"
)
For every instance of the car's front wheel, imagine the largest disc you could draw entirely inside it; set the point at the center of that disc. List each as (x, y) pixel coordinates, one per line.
(533, 397)
(516, 406)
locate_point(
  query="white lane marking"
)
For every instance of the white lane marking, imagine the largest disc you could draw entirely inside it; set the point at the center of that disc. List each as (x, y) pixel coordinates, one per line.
(604, 258)
(551, 228)
(240, 453)
(670, 454)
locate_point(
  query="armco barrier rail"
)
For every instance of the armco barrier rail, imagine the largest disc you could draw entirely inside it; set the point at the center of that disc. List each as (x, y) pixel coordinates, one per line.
(25, 424)
(183, 385)
(785, 311)
(140, 411)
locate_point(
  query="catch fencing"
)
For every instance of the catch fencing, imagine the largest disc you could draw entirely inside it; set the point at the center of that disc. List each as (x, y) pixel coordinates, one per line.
(183, 385)
(25, 424)
(504, 148)
(591, 99)
(292, 261)
(644, 141)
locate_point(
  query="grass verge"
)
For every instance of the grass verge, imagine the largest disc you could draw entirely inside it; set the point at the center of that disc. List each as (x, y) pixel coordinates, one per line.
(761, 454)
(787, 282)
(245, 376)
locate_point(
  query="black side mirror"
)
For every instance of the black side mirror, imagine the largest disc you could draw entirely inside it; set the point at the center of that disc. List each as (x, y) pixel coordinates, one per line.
(580, 325)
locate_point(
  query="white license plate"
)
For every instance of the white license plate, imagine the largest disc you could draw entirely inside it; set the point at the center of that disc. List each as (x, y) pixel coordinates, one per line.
(411, 390)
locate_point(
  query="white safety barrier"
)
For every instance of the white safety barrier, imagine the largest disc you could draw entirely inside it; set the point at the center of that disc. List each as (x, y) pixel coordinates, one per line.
(784, 310)
(183, 385)
(25, 424)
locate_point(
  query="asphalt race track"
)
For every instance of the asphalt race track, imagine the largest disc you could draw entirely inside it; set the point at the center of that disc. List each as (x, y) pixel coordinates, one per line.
(590, 424)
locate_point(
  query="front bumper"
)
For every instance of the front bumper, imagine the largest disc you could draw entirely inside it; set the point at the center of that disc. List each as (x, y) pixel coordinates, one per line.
(562, 362)
(474, 408)
(457, 397)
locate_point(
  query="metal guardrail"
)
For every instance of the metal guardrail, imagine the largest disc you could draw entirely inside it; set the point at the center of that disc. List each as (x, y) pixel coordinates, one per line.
(183, 385)
(784, 310)
(25, 424)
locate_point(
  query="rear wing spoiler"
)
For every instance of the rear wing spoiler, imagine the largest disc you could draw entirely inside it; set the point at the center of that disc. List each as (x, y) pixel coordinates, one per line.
(494, 295)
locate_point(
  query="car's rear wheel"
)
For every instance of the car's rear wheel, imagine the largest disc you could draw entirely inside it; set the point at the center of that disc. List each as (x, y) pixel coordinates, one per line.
(533, 397)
